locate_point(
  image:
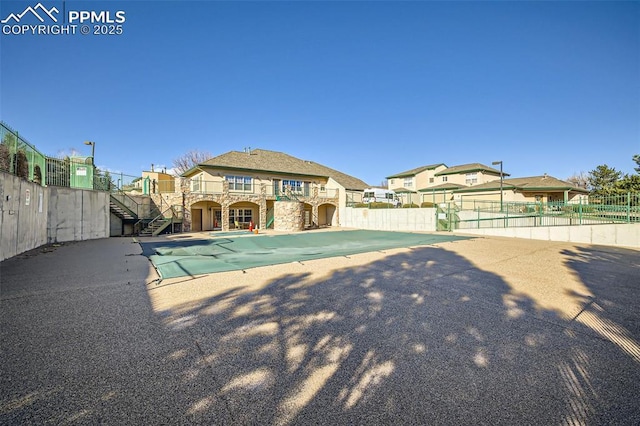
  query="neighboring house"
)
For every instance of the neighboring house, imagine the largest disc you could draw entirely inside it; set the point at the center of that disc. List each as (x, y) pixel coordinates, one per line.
(152, 182)
(437, 182)
(407, 184)
(545, 189)
(237, 188)
(414, 179)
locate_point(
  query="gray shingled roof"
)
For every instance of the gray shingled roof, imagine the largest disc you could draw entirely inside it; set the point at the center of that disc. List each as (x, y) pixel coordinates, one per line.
(531, 183)
(469, 168)
(404, 190)
(278, 162)
(446, 185)
(415, 171)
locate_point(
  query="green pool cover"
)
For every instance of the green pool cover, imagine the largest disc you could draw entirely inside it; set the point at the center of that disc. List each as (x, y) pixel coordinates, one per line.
(241, 250)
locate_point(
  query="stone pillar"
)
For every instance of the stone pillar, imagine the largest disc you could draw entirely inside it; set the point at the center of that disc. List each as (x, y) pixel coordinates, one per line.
(288, 216)
(314, 216)
(224, 203)
(262, 214)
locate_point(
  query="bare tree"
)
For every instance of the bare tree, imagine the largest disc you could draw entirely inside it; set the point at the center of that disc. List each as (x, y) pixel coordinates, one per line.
(580, 180)
(189, 160)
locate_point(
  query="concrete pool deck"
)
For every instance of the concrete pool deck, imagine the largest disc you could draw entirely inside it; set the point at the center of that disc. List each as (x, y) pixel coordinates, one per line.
(477, 331)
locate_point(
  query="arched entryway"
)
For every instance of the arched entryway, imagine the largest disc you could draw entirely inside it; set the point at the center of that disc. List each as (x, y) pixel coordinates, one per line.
(206, 216)
(309, 220)
(327, 214)
(242, 213)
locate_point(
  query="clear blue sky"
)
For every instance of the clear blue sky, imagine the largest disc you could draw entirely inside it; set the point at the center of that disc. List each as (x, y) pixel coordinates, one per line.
(368, 88)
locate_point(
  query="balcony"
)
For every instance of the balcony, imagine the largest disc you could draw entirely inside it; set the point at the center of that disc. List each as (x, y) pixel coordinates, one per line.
(197, 186)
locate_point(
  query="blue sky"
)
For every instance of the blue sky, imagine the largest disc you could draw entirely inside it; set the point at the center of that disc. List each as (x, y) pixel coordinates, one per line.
(367, 88)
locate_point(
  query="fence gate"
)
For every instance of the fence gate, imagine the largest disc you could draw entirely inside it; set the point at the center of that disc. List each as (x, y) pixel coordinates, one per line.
(446, 217)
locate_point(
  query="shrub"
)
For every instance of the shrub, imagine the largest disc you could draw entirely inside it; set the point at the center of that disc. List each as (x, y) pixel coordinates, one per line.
(410, 206)
(427, 204)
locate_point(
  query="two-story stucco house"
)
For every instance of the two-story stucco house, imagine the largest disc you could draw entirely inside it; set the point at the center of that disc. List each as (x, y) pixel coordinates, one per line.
(475, 181)
(414, 179)
(237, 188)
(437, 182)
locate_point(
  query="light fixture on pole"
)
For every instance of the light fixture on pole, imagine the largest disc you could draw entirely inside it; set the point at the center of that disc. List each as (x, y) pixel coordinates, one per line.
(495, 163)
(93, 151)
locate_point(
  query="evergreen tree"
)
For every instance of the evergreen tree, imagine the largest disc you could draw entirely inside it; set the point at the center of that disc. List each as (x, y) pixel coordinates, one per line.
(603, 180)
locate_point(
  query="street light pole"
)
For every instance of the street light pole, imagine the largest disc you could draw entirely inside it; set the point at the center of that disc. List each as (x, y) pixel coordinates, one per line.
(495, 163)
(93, 152)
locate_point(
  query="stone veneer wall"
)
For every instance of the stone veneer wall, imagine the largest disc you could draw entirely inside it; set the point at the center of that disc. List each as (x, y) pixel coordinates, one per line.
(288, 216)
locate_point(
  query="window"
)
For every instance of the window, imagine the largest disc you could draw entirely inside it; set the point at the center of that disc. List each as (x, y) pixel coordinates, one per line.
(408, 182)
(392, 181)
(239, 183)
(292, 185)
(240, 215)
(444, 178)
(195, 183)
(471, 178)
(430, 180)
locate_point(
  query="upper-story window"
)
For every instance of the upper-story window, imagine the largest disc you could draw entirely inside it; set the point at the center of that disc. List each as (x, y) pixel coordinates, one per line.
(471, 178)
(445, 178)
(292, 185)
(195, 183)
(408, 182)
(239, 183)
(430, 180)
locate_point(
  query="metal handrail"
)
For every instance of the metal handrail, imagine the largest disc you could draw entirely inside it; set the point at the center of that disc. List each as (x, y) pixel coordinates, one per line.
(119, 191)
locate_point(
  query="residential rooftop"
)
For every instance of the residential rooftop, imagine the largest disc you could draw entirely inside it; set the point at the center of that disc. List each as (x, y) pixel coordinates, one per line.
(278, 162)
(415, 171)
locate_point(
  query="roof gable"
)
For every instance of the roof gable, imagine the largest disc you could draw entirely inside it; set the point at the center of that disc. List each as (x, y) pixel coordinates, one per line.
(470, 168)
(416, 171)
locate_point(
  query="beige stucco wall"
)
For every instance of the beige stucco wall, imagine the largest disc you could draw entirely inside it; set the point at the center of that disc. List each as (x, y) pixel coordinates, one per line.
(214, 178)
(422, 179)
(461, 178)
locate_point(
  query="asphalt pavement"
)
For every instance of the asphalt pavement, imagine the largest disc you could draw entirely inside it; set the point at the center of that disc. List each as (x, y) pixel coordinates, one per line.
(481, 331)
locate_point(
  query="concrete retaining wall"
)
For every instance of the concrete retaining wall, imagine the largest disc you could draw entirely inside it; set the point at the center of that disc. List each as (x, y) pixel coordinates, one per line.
(77, 214)
(423, 219)
(624, 235)
(23, 215)
(32, 215)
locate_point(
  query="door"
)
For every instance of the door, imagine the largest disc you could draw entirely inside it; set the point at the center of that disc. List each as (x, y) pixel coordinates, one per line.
(196, 220)
(276, 187)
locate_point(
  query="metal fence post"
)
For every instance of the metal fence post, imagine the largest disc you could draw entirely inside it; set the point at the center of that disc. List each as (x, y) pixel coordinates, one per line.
(628, 207)
(580, 212)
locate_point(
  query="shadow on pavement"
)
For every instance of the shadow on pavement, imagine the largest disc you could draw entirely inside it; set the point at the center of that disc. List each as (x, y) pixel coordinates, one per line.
(418, 337)
(421, 337)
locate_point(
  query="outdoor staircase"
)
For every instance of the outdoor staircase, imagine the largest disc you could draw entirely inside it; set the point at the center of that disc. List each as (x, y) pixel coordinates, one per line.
(270, 218)
(120, 210)
(155, 227)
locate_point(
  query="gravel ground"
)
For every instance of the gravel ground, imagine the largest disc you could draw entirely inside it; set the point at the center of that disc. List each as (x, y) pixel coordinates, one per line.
(480, 331)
